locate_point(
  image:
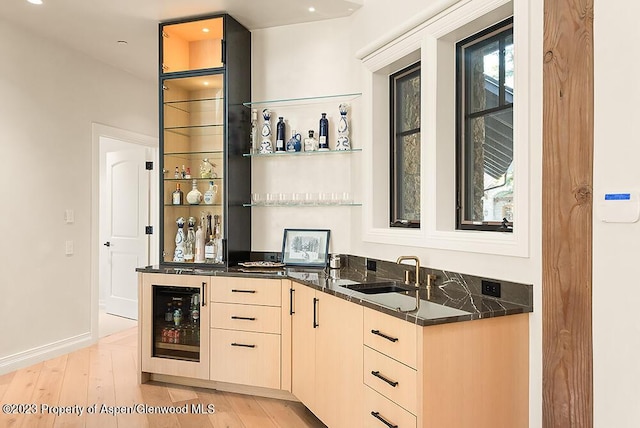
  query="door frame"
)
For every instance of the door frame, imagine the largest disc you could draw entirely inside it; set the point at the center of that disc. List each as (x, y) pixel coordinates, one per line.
(99, 130)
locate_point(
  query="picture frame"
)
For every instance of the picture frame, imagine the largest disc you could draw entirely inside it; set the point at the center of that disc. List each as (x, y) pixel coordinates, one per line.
(305, 247)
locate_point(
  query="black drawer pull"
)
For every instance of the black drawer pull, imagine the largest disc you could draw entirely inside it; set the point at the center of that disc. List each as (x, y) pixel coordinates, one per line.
(243, 291)
(233, 317)
(379, 376)
(315, 312)
(291, 291)
(377, 333)
(383, 420)
(243, 345)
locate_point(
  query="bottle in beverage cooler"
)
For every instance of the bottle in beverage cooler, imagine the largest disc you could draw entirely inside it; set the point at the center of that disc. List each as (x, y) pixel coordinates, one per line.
(323, 139)
(280, 135)
(177, 197)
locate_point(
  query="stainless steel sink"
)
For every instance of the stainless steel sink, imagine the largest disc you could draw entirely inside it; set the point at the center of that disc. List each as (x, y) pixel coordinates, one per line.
(379, 287)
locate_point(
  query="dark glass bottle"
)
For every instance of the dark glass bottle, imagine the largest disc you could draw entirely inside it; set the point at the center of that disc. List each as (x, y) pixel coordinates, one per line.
(323, 137)
(280, 135)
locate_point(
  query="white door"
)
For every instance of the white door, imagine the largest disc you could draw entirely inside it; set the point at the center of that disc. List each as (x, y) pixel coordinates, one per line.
(126, 214)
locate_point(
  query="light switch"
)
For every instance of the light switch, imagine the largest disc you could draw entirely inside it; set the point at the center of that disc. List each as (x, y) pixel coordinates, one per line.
(68, 248)
(68, 216)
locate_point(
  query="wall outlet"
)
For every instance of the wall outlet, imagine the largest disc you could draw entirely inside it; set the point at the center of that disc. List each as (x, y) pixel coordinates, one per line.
(372, 265)
(491, 288)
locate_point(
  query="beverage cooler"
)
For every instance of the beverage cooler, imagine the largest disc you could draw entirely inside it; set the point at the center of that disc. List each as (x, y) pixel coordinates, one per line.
(175, 336)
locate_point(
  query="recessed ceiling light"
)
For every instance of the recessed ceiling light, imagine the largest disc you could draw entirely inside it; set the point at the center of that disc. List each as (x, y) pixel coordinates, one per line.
(35, 1)
(312, 9)
(205, 30)
(206, 83)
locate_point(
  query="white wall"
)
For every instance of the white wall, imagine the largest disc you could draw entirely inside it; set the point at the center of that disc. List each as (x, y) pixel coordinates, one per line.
(50, 97)
(616, 247)
(290, 62)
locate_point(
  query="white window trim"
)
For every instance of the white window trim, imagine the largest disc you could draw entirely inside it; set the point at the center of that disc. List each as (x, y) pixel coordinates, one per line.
(433, 42)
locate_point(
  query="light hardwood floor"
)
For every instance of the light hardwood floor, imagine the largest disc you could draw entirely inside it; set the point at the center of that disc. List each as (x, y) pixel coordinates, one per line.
(105, 374)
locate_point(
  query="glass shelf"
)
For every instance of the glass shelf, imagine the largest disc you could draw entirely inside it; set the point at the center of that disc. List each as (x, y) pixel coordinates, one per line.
(192, 178)
(193, 205)
(302, 101)
(186, 131)
(209, 152)
(302, 205)
(301, 153)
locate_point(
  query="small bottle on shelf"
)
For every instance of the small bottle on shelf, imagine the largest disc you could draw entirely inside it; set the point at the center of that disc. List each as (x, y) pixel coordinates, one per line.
(323, 140)
(177, 197)
(310, 143)
(280, 135)
(176, 174)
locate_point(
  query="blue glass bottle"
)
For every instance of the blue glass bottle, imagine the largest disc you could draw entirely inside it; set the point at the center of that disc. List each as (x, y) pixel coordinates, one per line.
(280, 133)
(323, 140)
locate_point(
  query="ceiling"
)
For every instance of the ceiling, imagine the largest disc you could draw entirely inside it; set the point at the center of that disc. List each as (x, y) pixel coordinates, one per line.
(95, 26)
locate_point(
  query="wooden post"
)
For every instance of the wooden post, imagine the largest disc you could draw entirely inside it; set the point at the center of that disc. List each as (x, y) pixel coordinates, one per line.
(567, 183)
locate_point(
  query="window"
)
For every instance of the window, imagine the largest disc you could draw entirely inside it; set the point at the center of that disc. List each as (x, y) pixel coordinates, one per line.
(405, 147)
(484, 134)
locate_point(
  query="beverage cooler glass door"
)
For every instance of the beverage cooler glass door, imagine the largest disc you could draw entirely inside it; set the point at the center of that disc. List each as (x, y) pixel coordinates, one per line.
(176, 323)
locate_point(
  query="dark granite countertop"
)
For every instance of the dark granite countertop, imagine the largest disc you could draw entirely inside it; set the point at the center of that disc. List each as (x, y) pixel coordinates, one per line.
(452, 300)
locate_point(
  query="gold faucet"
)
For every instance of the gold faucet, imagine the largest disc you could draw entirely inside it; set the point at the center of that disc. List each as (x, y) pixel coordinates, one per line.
(430, 277)
(417, 260)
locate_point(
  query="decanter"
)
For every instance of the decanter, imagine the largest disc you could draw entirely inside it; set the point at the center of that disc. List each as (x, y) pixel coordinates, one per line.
(189, 242)
(194, 197)
(211, 194)
(178, 254)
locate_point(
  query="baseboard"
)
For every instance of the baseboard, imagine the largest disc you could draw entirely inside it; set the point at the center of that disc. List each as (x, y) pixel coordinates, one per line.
(42, 353)
(222, 386)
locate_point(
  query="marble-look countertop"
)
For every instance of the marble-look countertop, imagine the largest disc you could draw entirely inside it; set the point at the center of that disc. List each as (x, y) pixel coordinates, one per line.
(447, 304)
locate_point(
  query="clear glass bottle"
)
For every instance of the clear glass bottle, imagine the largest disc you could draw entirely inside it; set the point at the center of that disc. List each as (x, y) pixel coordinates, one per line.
(177, 197)
(209, 253)
(310, 143)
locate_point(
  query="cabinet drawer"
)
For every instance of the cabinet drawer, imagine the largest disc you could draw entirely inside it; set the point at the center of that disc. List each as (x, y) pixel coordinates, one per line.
(391, 336)
(390, 378)
(245, 358)
(249, 291)
(378, 409)
(261, 319)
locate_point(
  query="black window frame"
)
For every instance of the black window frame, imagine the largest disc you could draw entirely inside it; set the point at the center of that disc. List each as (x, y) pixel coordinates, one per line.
(498, 32)
(406, 73)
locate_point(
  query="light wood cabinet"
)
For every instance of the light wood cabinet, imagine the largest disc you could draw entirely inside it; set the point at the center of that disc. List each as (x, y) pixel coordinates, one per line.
(172, 356)
(327, 356)
(246, 345)
(380, 411)
(245, 358)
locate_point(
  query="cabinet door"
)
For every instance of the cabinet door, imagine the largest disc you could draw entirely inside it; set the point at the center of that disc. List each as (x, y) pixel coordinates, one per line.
(186, 354)
(339, 361)
(303, 360)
